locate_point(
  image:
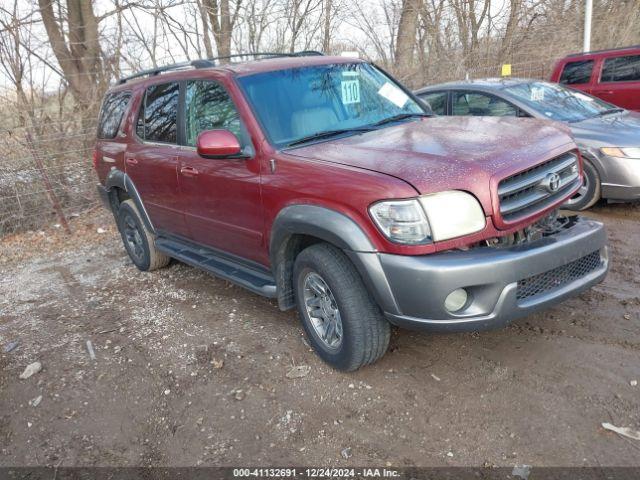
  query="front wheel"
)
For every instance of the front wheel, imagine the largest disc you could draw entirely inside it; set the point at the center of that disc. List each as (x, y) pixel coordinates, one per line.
(343, 323)
(589, 192)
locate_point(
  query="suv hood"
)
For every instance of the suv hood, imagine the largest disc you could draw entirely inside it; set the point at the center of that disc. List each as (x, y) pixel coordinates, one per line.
(448, 153)
(617, 130)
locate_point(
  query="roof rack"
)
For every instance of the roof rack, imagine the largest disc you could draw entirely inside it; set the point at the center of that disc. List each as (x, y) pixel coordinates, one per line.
(211, 62)
(604, 50)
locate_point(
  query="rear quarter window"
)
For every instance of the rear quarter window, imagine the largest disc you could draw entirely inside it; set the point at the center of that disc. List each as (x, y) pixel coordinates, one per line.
(111, 113)
(578, 72)
(621, 69)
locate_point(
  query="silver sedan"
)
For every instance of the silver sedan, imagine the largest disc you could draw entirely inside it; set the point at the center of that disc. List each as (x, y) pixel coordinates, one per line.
(608, 136)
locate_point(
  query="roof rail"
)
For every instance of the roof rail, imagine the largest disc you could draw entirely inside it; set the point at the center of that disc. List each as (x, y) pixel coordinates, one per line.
(211, 62)
(630, 47)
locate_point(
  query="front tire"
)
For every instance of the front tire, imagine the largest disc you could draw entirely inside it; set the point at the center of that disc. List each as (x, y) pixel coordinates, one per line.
(138, 241)
(343, 323)
(589, 193)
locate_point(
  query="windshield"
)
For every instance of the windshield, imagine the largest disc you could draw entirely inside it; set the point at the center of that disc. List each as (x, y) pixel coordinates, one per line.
(297, 103)
(559, 103)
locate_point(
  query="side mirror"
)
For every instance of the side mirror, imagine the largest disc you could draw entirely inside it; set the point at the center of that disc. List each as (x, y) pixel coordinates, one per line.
(218, 144)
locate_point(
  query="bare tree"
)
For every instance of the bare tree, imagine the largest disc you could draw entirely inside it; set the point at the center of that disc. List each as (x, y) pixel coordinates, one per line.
(326, 36)
(223, 16)
(406, 36)
(78, 49)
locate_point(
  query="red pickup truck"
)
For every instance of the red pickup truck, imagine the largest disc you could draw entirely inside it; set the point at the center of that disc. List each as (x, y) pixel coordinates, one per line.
(612, 75)
(327, 185)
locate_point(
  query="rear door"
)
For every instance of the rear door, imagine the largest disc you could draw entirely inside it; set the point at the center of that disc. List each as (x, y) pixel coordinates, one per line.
(620, 81)
(151, 160)
(578, 74)
(223, 205)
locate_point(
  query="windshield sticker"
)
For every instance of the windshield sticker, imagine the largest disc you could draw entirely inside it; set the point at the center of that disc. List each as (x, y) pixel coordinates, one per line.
(537, 94)
(350, 91)
(393, 94)
(583, 97)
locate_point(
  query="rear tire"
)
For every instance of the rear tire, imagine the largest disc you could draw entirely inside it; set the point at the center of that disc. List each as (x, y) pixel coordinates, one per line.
(589, 193)
(138, 241)
(329, 291)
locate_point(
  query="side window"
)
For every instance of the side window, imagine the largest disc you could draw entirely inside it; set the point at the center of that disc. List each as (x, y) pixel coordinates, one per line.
(209, 107)
(479, 104)
(158, 117)
(575, 73)
(437, 101)
(621, 69)
(111, 113)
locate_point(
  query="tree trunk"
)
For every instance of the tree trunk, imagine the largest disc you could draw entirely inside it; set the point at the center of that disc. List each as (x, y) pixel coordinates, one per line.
(205, 29)
(326, 38)
(406, 36)
(79, 57)
(222, 21)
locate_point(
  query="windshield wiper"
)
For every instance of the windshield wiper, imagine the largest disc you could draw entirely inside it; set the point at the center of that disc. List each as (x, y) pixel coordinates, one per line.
(327, 134)
(400, 116)
(609, 111)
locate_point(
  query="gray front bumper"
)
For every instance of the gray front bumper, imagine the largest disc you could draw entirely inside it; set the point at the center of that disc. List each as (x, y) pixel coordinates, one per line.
(411, 289)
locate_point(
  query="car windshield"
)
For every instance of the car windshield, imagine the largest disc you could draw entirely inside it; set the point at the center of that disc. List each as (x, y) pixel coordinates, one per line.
(295, 104)
(559, 103)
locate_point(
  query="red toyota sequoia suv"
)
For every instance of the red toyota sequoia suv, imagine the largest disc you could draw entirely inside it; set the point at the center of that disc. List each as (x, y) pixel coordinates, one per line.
(324, 183)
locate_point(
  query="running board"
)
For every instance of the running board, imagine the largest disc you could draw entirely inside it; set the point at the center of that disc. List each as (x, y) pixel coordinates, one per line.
(257, 279)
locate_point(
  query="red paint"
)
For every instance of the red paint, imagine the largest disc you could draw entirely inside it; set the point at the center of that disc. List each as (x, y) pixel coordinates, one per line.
(623, 94)
(96, 158)
(231, 203)
(217, 143)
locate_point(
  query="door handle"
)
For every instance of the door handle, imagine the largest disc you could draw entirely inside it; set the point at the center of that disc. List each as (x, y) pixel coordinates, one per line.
(189, 171)
(131, 161)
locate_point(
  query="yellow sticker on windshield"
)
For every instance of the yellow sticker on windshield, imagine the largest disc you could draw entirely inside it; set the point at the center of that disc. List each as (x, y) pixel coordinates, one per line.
(350, 91)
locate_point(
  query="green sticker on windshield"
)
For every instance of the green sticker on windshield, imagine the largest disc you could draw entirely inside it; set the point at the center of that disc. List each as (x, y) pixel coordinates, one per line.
(350, 91)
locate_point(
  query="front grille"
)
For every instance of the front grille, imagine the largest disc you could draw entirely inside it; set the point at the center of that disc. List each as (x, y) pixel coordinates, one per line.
(558, 277)
(533, 190)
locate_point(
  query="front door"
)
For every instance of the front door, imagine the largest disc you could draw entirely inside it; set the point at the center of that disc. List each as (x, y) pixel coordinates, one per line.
(223, 205)
(151, 161)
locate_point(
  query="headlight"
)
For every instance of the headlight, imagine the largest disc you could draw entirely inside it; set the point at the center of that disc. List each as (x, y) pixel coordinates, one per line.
(626, 152)
(402, 221)
(452, 214)
(428, 218)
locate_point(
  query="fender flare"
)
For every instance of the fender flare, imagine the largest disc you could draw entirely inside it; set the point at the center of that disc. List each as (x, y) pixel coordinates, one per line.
(320, 222)
(315, 221)
(118, 179)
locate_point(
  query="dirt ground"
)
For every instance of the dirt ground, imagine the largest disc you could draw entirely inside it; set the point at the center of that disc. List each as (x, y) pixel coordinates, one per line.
(191, 370)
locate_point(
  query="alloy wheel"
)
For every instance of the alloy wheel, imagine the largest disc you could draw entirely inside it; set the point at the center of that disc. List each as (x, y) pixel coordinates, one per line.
(133, 237)
(582, 191)
(323, 312)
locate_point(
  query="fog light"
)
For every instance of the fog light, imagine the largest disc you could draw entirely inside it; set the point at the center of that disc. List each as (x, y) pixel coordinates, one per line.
(456, 300)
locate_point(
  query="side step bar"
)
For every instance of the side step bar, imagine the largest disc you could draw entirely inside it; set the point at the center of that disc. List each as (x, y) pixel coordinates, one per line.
(257, 279)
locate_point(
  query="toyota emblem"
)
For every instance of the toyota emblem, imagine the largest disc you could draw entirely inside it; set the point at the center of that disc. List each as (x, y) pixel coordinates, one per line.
(552, 182)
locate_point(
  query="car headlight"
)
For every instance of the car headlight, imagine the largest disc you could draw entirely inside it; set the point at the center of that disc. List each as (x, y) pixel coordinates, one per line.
(621, 152)
(429, 218)
(402, 221)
